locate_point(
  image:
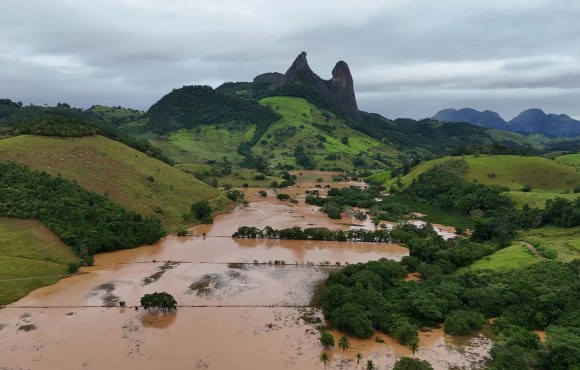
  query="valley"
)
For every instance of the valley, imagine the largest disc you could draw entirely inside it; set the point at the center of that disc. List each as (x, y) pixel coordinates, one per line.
(272, 224)
(209, 271)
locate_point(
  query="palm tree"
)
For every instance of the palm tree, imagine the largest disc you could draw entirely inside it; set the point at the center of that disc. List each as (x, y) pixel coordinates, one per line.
(324, 358)
(414, 346)
(370, 365)
(358, 358)
(344, 344)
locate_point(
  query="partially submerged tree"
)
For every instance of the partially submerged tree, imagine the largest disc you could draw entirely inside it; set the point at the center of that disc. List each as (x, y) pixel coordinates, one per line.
(160, 300)
(326, 339)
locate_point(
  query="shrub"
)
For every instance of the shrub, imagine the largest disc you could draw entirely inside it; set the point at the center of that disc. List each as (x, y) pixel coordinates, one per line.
(283, 197)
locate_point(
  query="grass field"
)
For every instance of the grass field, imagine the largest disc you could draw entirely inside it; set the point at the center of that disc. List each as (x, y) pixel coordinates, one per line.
(569, 159)
(537, 199)
(511, 171)
(534, 141)
(514, 256)
(548, 178)
(380, 178)
(138, 182)
(434, 214)
(565, 241)
(206, 142)
(31, 256)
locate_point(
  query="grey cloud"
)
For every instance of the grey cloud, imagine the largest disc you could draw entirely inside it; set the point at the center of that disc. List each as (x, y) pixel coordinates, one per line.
(408, 58)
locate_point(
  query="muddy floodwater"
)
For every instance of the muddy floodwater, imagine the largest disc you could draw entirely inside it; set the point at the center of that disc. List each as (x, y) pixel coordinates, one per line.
(236, 310)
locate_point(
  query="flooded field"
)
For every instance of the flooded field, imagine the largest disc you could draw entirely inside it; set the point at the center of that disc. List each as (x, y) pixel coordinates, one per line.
(234, 312)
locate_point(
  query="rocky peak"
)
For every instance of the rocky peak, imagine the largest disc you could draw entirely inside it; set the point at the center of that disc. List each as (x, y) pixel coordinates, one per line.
(299, 66)
(339, 89)
(341, 76)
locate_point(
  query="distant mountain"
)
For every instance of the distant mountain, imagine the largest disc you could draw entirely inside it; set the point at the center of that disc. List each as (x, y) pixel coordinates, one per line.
(486, 118)
(530, 121)
(535, 120)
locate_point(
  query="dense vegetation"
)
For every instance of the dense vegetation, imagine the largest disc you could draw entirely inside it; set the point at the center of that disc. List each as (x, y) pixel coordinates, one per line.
(88, 222)
(424, 137)
(361, 298)
(190, 106)
(338, 199)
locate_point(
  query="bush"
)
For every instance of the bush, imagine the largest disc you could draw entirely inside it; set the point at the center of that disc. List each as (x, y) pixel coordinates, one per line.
(326, 339)
(73, 267)
(263, 193)
(408, 363)
(283, 197)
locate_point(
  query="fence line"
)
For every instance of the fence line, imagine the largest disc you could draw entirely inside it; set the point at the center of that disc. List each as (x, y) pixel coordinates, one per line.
(178, 306)
(272, 263)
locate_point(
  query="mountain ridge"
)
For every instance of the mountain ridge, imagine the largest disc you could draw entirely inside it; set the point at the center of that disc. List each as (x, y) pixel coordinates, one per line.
(339, 89)
(530, 121)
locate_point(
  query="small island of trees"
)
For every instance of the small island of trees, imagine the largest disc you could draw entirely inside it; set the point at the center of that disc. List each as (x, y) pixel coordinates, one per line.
(160, 300)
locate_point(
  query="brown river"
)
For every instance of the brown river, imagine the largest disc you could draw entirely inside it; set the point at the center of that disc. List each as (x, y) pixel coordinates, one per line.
(229, 321)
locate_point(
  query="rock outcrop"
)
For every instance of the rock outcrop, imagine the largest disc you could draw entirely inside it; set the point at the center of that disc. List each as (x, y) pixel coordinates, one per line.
(339, 89)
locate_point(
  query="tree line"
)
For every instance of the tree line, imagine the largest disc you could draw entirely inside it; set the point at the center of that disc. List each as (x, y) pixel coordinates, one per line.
(297, 233)
(494, 213)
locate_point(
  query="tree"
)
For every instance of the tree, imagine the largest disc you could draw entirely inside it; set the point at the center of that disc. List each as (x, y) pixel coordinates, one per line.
(326, 339)
(324, 358)
(202, 211)
(461, 322)
(160, 300)
(344, 344)
(358, 358)
(407, 363)
(414, 346)
(370, 365)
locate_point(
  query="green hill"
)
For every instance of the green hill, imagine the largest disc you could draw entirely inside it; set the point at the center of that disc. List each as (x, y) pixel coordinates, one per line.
(115, 115)
(205, 142)
(307, 136)
(513, 172)
(303, 131)
(138, 182)
(190, 106)
(547, 178)
(532, 141)
(569, 159)
(31, 256)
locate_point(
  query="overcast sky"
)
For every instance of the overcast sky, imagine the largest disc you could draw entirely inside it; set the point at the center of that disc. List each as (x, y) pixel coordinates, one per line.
(408, 58)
